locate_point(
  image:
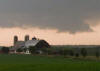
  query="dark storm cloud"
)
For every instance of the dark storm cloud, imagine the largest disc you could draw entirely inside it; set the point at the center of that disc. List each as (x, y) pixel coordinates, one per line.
(64, 15)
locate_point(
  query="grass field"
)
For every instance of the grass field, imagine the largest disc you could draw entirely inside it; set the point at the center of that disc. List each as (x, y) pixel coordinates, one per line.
(44, 63)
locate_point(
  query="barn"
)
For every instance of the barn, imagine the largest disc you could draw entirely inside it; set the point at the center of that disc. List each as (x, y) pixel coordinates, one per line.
(23, 46)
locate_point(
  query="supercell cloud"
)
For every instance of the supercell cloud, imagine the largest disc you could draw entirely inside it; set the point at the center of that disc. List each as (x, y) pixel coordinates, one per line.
(63, 15)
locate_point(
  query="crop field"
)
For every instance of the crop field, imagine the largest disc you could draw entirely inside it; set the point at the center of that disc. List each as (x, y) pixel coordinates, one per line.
(46, 63)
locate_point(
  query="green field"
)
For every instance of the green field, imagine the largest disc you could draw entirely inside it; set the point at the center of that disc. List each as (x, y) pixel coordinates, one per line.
(44, 63)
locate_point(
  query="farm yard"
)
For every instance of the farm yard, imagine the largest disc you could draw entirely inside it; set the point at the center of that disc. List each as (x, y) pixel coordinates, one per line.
(46, 63)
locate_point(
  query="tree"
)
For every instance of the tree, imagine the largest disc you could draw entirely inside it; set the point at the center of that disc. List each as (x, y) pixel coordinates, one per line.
(77, 55)
(97, 54)
(71, 53)
(50, 51)
(83, 52)
(5, 50)
(25, 49)
(19, 50)
(32, 49)
(63, 52)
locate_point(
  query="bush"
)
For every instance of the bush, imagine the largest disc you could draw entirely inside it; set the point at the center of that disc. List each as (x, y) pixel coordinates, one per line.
(5, 50)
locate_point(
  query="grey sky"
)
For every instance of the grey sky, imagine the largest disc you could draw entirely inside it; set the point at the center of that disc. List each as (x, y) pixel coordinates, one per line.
(64, 15)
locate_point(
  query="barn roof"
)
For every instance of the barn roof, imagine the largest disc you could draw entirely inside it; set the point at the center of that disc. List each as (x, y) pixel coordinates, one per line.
(31, 43)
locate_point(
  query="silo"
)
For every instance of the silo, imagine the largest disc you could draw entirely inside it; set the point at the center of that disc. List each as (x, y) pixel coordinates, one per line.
(26, 37)
(15, 39)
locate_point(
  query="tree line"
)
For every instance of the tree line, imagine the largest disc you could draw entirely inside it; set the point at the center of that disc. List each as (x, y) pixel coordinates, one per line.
(50, 51)
(64, 52)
